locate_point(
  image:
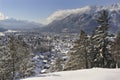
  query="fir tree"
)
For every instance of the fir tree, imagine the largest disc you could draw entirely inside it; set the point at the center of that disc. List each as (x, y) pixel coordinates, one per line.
(80, 57)
(57, 65)
(20, 58)
(116, 50)
(100, 53)
(15, 60)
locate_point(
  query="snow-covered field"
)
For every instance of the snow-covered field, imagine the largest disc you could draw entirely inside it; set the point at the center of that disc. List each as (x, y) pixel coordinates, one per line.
(86, 74)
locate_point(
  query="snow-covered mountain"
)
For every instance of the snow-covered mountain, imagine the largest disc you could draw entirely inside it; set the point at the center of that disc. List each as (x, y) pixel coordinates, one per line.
(61, 14)
(82, 18)
(18, 24)
(2, 29)
(86, 74)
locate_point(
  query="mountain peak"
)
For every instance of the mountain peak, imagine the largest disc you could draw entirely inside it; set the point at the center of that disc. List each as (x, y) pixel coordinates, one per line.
(58, 15)
(116, 5)
(61, 14)
(83, 18)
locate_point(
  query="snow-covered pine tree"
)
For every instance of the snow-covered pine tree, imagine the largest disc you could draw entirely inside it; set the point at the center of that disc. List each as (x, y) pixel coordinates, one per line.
(116, 50)
(57, 65)
(100, 50)
(79, 58)
(20, 55)
(5, 71)
(15, 60)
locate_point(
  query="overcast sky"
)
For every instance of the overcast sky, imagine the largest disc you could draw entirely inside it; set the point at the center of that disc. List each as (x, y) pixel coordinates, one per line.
(37, 10)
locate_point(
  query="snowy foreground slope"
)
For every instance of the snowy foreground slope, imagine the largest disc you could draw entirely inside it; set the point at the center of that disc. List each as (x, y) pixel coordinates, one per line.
(86, 74)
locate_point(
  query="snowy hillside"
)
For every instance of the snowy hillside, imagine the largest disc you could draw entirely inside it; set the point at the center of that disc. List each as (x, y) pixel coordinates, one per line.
(90, 74)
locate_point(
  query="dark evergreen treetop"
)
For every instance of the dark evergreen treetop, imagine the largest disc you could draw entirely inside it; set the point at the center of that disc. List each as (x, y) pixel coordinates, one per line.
(103, 21)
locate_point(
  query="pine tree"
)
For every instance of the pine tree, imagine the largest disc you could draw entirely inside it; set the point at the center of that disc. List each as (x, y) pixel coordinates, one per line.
(57, 65)
(116, 50)
(100, 50)
(4, 65)
(15, 60)
(80, 57)
(20, 58)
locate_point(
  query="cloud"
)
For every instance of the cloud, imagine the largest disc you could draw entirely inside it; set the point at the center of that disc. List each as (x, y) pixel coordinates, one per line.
(2, 16)
(58, 15)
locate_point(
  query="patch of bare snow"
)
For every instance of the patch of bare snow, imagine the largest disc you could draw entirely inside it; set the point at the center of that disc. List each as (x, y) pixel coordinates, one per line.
(85, 74)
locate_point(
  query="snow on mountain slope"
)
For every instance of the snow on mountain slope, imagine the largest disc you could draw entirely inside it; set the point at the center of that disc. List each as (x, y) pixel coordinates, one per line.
(61, 14)
(86, 74)
(74, 20)
(12, 23)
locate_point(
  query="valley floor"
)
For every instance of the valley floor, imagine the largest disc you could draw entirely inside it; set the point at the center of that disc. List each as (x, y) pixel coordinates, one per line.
(85, 74)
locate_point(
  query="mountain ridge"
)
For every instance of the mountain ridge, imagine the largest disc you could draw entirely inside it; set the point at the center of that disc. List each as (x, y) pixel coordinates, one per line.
(18, 24)
(74, 22)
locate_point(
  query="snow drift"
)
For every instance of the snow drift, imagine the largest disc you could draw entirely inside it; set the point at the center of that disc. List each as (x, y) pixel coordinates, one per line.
(86, 74)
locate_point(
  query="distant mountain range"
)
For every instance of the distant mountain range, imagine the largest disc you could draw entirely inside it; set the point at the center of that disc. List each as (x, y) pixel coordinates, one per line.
(2, 29)
(18, 24)
(82, 18)
(72, 20)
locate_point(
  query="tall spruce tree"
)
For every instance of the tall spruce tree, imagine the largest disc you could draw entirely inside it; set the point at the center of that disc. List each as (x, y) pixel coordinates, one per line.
(15, 60)
(79, 59)
(5, 71)
(100, 50)
(20, 55)
(116, 50)
(57, 65)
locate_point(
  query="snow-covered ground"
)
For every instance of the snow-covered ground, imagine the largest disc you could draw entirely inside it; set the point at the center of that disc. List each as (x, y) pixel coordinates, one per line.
(2, 34)
(10, 31)
(86, 74)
